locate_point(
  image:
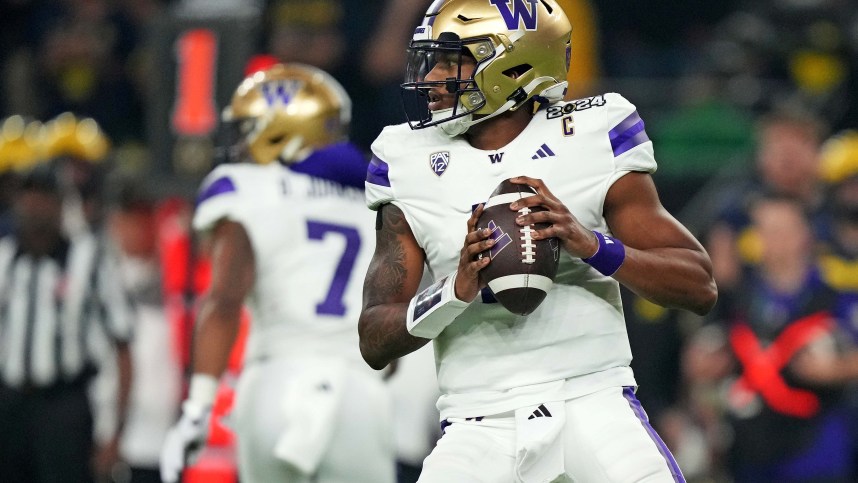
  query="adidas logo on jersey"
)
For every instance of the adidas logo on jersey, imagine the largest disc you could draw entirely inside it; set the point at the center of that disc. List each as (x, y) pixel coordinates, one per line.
(540, 412)
(543, 152)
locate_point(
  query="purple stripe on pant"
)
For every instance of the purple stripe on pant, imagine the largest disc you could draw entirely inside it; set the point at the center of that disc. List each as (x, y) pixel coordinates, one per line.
(629, 394)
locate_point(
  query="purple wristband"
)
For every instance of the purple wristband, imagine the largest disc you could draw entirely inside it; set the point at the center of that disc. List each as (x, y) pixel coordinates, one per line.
(609, 256)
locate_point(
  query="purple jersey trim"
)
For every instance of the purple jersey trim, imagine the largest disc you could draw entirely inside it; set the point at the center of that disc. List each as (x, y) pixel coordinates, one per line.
(377, 172)
(629, 394)
(628, 134)
(341, 163)
(216, 187)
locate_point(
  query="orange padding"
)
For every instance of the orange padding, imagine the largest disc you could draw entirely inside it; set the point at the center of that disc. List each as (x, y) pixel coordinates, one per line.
(216, 465)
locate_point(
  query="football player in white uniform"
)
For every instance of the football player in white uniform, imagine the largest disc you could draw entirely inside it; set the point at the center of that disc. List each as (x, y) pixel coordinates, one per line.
(548, 396)
(292, 238)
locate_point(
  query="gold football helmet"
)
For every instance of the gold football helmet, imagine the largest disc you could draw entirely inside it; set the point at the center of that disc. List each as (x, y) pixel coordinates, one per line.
(285, 113)
(839, 157)
(81, 138)
(521, 48)
(21, 143)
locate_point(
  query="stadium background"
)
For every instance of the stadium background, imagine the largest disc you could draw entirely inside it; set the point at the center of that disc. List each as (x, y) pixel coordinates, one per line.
(154, 75)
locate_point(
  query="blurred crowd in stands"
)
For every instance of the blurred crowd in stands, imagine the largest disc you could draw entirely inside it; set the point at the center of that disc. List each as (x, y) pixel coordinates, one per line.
(752, 106)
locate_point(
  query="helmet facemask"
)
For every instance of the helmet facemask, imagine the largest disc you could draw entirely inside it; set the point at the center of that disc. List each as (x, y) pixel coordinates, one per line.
(423, 56)
(231, 146)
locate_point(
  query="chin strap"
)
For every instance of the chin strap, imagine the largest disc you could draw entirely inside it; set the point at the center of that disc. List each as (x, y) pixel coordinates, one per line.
(454, 127)
(460, 125)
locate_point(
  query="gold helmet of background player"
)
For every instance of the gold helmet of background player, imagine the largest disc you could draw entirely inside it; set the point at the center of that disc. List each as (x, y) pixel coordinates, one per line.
(80, 138)
(521, 47)
(21, 143)
(839, 157)
(288, 111)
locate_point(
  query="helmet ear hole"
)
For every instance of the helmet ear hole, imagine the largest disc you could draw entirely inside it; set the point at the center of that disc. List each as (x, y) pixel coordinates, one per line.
(517, 71)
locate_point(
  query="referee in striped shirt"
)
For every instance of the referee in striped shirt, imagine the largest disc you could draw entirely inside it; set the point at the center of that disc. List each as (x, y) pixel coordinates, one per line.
(57, 296)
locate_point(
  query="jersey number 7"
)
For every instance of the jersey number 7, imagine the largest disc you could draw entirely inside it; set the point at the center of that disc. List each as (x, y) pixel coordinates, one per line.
(333, 302)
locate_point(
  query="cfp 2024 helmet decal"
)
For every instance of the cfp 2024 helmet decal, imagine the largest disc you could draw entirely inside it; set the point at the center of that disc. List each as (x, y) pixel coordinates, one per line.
(285, 113)
(521, 51)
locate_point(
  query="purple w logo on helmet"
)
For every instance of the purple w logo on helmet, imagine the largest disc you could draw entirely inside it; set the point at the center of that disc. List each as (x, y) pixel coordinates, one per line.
(280, 91)
(520, 13)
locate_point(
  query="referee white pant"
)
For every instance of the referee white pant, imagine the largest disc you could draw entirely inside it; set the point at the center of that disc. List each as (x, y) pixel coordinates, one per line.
(606, 437)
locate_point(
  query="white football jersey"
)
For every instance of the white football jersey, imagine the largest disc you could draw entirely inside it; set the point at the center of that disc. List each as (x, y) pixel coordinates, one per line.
(489, 360)
(312, 241)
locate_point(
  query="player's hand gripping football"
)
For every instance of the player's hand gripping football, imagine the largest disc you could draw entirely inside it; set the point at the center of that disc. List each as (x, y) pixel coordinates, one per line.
(476, 241)
(576, 239)
(184, 441)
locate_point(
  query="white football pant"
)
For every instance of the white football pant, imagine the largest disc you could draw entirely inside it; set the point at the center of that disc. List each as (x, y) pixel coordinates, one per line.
(360, 448)
(606, 438)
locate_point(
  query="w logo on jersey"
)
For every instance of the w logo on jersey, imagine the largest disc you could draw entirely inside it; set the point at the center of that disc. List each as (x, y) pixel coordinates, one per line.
(439, 162)
(281, 91)
(520, 13)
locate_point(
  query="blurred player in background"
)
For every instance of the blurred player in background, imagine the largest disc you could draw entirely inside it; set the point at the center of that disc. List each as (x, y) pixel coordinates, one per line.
(549, 395)
(132, 224)
(290, 237)
(784, 394)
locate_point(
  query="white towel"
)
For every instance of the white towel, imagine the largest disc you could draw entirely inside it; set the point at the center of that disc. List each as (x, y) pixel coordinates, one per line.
(538, 443)
(310, 407)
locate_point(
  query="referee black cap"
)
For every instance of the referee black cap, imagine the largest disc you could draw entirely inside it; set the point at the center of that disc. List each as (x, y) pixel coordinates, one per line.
(41, 178)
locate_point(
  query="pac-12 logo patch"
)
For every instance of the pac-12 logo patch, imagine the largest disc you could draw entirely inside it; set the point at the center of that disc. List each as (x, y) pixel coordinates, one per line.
(439, 162)
(518, 14)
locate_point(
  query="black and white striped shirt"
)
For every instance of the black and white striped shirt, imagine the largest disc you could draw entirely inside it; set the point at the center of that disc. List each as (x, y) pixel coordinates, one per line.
(52, 307)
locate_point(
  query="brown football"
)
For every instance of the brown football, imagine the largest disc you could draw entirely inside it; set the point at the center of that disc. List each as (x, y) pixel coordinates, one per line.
(522, 269)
